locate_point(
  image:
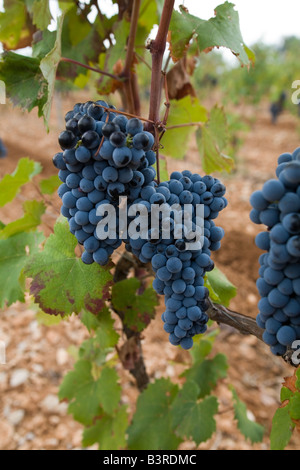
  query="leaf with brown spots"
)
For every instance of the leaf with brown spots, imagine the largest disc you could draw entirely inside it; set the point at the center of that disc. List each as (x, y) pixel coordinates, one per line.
(61, 283)
(290, 382)
(287, 417)
(222, 30)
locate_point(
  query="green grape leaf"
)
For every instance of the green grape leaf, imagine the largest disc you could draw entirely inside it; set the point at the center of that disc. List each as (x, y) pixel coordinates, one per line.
(187, 110)
(298, 378)
(65, 5)
(33, 211)
(109, 432)
(110, 390)
(41, 14)
(13, 24)
(212, 139)
(14, 253)
(83, 52)
(206, 373)
(79, 27)
(163, 170)
(47, 320)
(88, 396)
(285, 394)
(250, 429)
(295, 406)
(138, 308)
(192, 419)
(220, 288)
(61, 283)
(44, 43)
(104, 338)
(49, 185)
(282, 429)
(106, 335)
(11, 184)
(48, 66)
(82, 80)
(203, 346)
(89, 320)
(27, 88)
(151, 427)
(222, 30)
(181, 33)
(114, 56)
(148, 17)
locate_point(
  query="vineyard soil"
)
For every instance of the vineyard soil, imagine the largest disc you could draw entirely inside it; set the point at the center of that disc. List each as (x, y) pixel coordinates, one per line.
(38, 356)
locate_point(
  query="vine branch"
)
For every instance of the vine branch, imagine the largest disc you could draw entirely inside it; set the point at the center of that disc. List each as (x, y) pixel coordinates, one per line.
(123, 267)
(93, 69)
(130, 85)
(157, 48)
(245, 325)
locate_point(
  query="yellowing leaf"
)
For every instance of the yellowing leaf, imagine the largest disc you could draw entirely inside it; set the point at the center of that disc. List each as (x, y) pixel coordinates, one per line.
(212, 138)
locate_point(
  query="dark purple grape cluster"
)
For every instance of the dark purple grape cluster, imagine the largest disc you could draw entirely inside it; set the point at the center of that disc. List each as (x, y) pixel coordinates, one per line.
(104, 156)
(277, 206)
(180, 267)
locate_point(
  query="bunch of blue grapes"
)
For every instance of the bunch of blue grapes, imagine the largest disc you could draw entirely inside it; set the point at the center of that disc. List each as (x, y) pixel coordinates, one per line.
(180, 270)
(104, 156)
(277, 206)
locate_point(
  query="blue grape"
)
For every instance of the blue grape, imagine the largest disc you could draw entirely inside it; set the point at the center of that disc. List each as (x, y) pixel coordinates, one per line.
(174, 265)
(291, 222)
(134, 126)
(262, 241)
(86, 185)
(273, 190)
(179, 286)
(82, 217)
(91, 244)
(82, 154)
(84, 204)
(89, 172)
(277, 299)
(272, 326)
(290, 202)
(293, 246)
(186, 343)
(125, 175)
(258, 201)
(286, 335)
(69, 200)
(87, 258)
(122, 156)
(101, 256)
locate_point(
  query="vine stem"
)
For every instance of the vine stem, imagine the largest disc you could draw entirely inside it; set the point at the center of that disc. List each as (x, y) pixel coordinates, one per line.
(126, 74)
(187, 124)
(157, 48)
(93, 69)
(124, 113)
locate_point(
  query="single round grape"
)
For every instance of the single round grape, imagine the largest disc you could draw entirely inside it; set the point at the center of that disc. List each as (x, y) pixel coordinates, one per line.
(134, 126)
(67, 140)
(186, 343)
(91, 139)
(286, 335)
